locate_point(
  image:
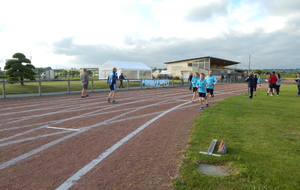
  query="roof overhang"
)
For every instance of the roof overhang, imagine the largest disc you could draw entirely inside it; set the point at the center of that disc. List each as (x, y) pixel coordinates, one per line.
(213, 61)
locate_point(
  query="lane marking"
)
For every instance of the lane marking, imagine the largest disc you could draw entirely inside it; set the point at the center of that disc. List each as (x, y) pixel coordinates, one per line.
(67, 184)
(61, 128)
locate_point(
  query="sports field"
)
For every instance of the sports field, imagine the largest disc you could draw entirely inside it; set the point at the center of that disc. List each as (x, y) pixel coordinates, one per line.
(61, 142)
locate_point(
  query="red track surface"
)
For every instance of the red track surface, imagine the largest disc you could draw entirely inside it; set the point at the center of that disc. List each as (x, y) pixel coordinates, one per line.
(67, 142)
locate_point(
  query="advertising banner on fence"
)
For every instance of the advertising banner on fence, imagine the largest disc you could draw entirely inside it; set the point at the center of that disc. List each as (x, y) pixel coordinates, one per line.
(160, 82)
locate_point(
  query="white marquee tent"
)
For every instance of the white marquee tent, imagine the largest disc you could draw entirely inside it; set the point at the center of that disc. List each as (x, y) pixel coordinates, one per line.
(131, 70)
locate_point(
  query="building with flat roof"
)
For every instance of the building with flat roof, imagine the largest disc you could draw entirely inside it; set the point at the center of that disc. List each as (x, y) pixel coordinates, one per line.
(183, 68)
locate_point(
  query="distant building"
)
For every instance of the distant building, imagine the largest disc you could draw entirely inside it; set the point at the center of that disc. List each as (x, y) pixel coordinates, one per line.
(182, 68)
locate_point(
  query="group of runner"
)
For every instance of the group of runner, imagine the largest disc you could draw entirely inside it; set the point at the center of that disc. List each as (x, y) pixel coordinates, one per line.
(203, 85)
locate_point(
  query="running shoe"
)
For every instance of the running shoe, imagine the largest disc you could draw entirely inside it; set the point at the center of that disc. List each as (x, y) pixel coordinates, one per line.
(114, 102)
(108, 99)
(82, 96)
(207, 105)
(201, 108)
(87, 95)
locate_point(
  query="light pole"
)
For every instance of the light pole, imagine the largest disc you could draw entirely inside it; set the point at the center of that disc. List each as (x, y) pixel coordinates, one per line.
(249, 63)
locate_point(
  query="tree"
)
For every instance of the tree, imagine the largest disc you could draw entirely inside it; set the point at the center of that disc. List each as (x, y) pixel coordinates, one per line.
(16, 71)
(259, 72)
(90, 73)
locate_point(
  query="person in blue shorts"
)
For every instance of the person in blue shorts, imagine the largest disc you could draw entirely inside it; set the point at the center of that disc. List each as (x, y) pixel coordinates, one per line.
(194, 80)
(202, 85)
(112, 83)
(211, 80)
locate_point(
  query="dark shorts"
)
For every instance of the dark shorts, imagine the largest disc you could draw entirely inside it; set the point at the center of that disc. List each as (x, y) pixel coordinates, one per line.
(202, 95)
(273, 85)
(85, 86)
(195, 89)
(210, 91)
(113, 86)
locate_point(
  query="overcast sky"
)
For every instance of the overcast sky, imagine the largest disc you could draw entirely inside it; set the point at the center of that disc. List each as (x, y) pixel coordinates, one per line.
(77, 34)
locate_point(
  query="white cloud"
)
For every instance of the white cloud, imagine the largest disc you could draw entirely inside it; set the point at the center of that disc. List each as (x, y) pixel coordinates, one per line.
(72, 33)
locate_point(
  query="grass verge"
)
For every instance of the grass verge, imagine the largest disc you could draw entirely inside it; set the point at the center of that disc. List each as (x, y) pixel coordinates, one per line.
(263, 136)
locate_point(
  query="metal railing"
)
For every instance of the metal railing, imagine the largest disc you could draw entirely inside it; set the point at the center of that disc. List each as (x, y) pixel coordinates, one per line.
(42, 87)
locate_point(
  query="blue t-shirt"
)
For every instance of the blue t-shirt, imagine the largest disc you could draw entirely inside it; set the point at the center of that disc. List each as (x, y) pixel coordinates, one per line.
(259, 80)
(194, 81)
(211, 80)
(202, 84)
(112, 78)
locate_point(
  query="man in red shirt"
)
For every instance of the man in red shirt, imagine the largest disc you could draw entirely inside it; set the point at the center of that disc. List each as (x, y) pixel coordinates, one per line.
(272, 84)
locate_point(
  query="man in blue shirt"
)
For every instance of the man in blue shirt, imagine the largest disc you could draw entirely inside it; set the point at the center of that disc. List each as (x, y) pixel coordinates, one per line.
(121, 78)
(112, 81)
(211, 80)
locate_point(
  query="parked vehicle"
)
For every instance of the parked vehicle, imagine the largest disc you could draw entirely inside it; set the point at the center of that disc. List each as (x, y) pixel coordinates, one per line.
(164, 76)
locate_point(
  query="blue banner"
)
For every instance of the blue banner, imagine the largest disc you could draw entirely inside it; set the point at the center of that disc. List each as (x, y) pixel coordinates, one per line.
(160, 82)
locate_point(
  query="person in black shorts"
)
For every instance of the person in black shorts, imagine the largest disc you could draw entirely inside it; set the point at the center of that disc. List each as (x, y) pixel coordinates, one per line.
(195, 79)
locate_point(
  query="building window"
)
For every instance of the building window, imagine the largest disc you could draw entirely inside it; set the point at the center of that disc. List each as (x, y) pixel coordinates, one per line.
(190, 64)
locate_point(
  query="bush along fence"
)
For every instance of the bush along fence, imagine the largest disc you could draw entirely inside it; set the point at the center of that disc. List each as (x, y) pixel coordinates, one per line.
(40, 87)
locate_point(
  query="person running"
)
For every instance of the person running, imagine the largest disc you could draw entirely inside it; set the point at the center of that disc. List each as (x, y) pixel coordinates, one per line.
(202, 85)
(84, 77)
(190, 81)
(121, 78)
(278, 84)
(112, 81)
(259, 81)
(195, 78)
(211, 80)
(251, 84)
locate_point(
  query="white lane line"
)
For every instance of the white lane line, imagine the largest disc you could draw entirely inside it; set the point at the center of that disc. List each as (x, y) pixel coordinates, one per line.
(33, 138)
(37, 150)
(61, 128)
(20, 134)
(67, 184)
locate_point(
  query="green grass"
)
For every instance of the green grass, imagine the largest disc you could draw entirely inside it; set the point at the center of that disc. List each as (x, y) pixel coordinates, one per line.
(263, 136)
(57, 86)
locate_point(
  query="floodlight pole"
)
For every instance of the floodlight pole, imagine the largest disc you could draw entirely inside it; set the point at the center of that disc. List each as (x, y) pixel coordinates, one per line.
(249, 63)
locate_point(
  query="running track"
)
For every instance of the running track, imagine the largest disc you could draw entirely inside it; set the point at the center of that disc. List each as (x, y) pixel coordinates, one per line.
(64, 142)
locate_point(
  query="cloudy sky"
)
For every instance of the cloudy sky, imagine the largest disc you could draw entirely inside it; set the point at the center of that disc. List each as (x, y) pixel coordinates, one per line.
(76, 34)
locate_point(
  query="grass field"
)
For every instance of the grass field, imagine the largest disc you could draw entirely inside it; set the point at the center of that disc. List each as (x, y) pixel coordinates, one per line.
(263, 137)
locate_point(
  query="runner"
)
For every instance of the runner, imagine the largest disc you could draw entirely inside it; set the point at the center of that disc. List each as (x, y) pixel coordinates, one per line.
(211, 80)
(112, 81)
(202, 85)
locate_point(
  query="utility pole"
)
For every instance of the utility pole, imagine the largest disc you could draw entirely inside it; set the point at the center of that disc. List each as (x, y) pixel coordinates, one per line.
(249, 63)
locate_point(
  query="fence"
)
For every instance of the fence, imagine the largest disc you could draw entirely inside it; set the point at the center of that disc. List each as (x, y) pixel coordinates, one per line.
(42, 87)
